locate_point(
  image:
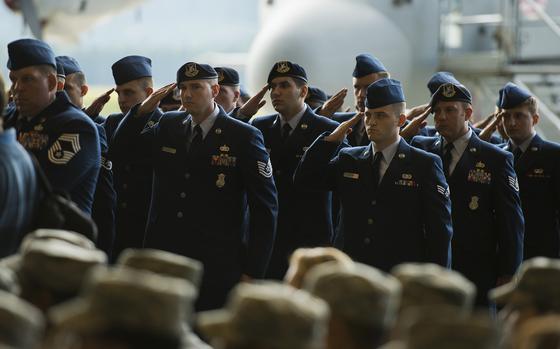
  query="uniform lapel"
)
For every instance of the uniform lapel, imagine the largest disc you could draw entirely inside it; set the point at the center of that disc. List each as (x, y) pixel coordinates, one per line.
(467, 159)
(398, 163)
(213, 138)
(365, 162)
(526, 159)
(298, 136)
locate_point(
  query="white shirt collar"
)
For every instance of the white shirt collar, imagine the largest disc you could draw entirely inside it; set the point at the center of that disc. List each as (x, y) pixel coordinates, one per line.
(295, 120)
(207, 124)
(390, 151)
(461, 143)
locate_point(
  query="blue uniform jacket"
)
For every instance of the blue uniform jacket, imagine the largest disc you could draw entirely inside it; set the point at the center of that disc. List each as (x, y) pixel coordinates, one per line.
(538, 170)
(487, 217)
(132, 180)
(304, 217)
(408, 219)
(19, 193)
(66, 144)
(104, 199)
(199, 205)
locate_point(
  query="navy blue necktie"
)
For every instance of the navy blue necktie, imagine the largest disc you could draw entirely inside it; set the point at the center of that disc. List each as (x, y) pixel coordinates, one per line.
(196, 139)
(286, 129)
(517, 154)
(375, 168)
(446, 158)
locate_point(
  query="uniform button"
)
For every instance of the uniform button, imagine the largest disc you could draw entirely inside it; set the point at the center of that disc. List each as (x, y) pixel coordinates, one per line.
(367, 241)
(187, 175)
(370, 221)
(183, 195)
(179, 214)
(373, 202)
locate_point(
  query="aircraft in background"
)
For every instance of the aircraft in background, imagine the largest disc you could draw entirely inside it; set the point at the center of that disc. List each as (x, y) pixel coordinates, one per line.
(64, 19)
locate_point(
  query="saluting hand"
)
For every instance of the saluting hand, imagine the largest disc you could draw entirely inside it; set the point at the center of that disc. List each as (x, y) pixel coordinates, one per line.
(150, 104)
(416, 124)
(487, 132)
(98, 104)
(485, 122)
(414, 112)
(333, 104)
(254, 104)
(337, 136)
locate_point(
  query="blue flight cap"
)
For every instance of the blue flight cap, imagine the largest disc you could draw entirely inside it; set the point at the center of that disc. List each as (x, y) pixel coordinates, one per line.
(316, 94)
(131, 68)
(195, 71)
(69, 64)
(451, 92)
(289, 69)
(227, 76)
(384, 92)
(367, 64)
(512, 95)
(440, 78)
(24, 53)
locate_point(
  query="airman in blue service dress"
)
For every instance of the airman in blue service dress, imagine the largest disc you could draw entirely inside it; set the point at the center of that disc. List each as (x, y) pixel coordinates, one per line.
(64, 139)
(304, 218)
(441, 78)
(105, 197)
(132, 175)
(487, 218)
(400, 215)
(207, 177)
(366, 65)
(537, 164)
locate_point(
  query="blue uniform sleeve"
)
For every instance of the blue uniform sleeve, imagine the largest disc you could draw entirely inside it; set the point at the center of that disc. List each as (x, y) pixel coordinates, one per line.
(509, 218)
(104, 203)
(132, 139)
(263, 204)
(437, 214)
(73, 156)
(317, 168)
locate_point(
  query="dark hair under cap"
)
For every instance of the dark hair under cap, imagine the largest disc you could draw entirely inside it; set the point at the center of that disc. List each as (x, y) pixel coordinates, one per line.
(227, 76)
(440, 78)
(195, 71)
(70, 64)
(512, 95)
(384, 92)
(131, 68)
(451, 92)
(367, 64)
(24, 53)
(316, 94)
(287, 69)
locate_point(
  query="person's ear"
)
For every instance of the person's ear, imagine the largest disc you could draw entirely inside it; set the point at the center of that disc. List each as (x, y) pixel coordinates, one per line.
(304, 91)
(402, 119)
(236, 95)
(536, 118)
(215, 90)
(52, 82)
(84, 90)
(468, 113)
